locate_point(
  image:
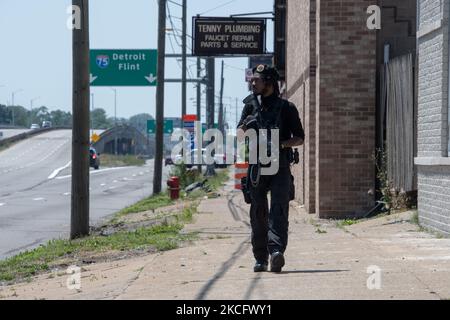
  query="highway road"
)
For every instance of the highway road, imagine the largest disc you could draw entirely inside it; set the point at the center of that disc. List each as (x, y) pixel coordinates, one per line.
(35, 188)
(8, 133)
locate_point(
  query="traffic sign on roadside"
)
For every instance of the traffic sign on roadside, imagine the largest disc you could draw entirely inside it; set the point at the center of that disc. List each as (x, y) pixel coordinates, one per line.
(95, 137)
(123, 67)
(151, 126)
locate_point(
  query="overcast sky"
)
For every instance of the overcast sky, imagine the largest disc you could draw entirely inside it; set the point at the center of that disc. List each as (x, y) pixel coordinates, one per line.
(36, 56)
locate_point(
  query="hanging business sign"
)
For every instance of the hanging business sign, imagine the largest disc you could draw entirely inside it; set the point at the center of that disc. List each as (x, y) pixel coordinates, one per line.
(228, 36)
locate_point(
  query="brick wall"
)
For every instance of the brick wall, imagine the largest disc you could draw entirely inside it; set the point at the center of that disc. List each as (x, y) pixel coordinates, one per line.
(345, 99)
(433, 161)
(434, 198)
(433, 88)
(301, 90)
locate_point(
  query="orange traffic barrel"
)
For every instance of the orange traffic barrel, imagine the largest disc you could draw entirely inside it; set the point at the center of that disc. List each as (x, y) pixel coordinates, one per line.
(240, 171)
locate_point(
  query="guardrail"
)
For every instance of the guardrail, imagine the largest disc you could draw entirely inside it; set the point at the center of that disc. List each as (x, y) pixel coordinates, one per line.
(26, 135)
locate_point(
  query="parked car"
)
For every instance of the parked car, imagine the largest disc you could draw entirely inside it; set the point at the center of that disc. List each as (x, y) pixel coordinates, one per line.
(35, 126)
(168, 161)
(219, 159)
(46, 124)
(94, 158)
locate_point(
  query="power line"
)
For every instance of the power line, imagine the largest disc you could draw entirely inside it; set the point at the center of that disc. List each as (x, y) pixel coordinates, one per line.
(233, 67)
(178, 4)
(220, 6)
(176, 39)
(176, 30)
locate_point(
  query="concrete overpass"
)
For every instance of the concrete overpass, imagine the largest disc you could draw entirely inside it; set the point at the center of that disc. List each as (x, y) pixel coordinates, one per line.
(129, 141)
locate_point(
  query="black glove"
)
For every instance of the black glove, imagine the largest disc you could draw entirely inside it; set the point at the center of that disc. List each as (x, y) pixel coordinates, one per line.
(251, 122)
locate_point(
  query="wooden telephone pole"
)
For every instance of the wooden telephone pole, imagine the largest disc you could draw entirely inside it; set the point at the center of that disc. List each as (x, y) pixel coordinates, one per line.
(79, 225)
(157, 178)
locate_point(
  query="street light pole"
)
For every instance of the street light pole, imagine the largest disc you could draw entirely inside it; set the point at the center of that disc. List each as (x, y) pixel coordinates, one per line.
(12, 106)
(2, 86)
(115, 121)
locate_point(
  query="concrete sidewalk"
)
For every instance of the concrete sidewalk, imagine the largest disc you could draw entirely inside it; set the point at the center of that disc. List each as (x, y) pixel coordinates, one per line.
(322, 262)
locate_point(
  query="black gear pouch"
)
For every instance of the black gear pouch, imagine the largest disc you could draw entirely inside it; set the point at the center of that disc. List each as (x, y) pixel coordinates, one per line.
(292, 189)
(246, 190)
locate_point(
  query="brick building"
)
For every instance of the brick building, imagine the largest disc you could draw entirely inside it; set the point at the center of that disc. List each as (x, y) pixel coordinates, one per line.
(433, 162)
(333, 64)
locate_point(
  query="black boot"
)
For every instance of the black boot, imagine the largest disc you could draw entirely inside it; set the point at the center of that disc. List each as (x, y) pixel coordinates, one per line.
(260, 266)
(276, 261)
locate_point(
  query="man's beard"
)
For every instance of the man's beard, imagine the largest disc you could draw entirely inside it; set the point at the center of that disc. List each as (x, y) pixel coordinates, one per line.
(262, 92)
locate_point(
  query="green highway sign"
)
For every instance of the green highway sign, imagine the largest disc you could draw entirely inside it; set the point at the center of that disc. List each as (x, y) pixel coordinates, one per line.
(204, 127)
(151, 126)
(114, 68)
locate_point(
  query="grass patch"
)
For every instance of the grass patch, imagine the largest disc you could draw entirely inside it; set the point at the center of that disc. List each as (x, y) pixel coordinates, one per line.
(314, 223)
(346, 222)
(149, 204)
(109, 160)
(415, 218)
(5, 146)
(218, 180)
(161, 237)
(60, 253)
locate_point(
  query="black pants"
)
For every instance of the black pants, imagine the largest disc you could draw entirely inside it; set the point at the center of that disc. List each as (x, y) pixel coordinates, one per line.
(270, 227)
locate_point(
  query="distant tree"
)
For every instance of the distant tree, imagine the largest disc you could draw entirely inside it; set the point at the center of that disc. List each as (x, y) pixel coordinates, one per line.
(99, 119)
(21, 116)
(139, 121)
(5, 114)
(61, 118)
(40, 114)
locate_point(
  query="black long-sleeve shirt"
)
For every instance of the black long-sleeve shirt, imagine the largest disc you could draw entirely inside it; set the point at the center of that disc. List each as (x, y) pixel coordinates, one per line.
(290, 123)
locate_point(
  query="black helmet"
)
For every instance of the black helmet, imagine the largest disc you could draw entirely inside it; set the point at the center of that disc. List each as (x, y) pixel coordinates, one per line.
(266, 72)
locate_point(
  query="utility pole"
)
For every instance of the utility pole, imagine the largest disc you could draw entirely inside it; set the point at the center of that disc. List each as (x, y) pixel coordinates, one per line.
(221, 122)
(199, 90)
(92, 109)
(210, 69)
(237, 113)
(157, 178)
(79, 225)
(183, 63)
(199, 97)
(210, 100)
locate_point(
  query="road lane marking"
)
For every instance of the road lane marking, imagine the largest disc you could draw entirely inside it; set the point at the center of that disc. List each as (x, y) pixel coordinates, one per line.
(38, 199)
(103, 184)
(57, 171)
(2, 204)
(95, 172)
(39, 161)
(66, 194)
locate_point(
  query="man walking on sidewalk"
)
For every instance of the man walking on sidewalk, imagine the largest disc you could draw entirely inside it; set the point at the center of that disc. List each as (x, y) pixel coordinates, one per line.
(265, 110)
